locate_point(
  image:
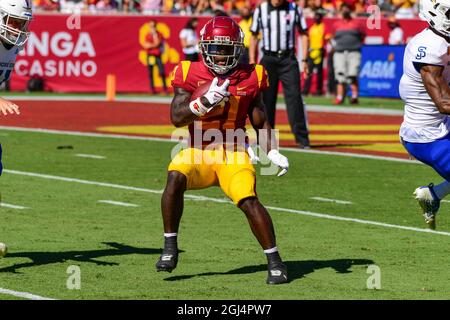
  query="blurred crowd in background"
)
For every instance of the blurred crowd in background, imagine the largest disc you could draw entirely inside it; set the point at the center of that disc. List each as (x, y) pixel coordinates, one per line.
(402, 9)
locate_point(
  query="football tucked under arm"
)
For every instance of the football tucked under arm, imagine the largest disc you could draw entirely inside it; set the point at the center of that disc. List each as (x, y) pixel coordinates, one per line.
(203, 102)
(188, 106)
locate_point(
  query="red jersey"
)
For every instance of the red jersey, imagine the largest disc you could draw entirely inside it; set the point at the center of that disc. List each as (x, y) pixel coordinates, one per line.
(246, 81)
(150, 38)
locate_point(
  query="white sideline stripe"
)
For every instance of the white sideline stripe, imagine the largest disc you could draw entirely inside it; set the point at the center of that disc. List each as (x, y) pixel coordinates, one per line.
(445, 200)
(24, 295)
(351, 110)
(118, 203)
(168, 100)
(331, 200)
(204, 198)
(55, 98)
(92, 156)
(12, 206)
(95, 98)
(126, 137)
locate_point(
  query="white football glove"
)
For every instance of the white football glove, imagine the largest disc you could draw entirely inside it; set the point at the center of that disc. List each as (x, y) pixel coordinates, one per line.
(217, 93)
(279, 160)
(214, 95)
(251, 154)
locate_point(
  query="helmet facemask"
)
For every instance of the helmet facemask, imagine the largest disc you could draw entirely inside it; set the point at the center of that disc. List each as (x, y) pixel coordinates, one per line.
(437, 14)
(221, 56)
(13, 30)
(445, 22)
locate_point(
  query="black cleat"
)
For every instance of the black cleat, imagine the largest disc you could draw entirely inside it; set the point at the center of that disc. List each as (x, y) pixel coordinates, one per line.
(277, 273)
(167, 261)
(354, 101)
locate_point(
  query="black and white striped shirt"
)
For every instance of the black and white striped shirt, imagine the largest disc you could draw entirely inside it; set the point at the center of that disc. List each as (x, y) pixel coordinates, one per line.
(278, 25)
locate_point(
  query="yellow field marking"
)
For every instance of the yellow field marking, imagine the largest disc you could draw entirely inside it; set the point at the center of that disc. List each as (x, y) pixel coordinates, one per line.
(167, 130)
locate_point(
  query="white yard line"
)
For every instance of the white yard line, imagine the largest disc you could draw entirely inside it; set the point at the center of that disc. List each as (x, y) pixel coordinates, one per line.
(375, 223)
(118, 203)
(102, 184)
(126, 137)
(25, 295)
(353, 155)
(331, 200)
(91, 156)
(12, 206)
(221, 200)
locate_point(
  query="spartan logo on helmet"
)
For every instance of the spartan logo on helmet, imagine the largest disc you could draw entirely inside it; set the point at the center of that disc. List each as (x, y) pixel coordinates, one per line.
(221, 44)
(15, 19)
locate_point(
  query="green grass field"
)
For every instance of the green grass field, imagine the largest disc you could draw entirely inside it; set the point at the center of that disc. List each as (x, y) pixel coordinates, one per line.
(116, 247)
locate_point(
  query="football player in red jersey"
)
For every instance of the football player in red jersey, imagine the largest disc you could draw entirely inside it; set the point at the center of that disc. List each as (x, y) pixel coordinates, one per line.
(234, 94)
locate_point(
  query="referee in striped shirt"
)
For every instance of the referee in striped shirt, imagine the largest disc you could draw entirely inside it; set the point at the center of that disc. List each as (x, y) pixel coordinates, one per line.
(278, 20)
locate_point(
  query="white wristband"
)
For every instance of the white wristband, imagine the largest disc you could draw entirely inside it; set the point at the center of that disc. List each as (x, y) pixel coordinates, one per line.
(197, 107)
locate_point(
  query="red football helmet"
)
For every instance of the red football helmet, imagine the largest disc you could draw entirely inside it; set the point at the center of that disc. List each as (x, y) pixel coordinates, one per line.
(221, 44)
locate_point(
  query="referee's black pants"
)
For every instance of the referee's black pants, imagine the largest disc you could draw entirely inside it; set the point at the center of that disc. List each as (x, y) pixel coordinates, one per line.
(287, 70)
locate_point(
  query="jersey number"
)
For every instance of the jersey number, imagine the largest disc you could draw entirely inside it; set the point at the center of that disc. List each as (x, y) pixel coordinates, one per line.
(233, 104)
(228, 111)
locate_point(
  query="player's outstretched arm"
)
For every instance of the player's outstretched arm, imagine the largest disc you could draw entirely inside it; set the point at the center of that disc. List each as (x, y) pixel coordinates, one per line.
(436, 86)
(8, 107)
(266, 137)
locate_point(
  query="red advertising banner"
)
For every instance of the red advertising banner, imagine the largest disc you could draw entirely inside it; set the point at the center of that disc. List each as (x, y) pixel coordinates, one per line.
(76, 53)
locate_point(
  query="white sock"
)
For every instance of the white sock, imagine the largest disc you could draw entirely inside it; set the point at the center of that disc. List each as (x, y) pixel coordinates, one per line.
(271, 250)
(168, 235)
(442, 190)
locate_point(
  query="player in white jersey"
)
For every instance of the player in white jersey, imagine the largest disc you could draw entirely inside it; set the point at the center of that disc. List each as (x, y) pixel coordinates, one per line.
(424, 87)
(15, 17)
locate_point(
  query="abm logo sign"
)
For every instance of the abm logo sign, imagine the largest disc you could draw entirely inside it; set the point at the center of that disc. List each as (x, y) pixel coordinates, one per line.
(381, 70)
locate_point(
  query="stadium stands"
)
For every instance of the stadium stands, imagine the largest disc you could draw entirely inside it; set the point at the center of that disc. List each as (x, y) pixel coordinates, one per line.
(401, 8)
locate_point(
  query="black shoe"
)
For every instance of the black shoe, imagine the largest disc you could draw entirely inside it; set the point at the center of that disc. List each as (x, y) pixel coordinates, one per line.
(304, 145)
(277, 273)
(354, 101)
(167, 261)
